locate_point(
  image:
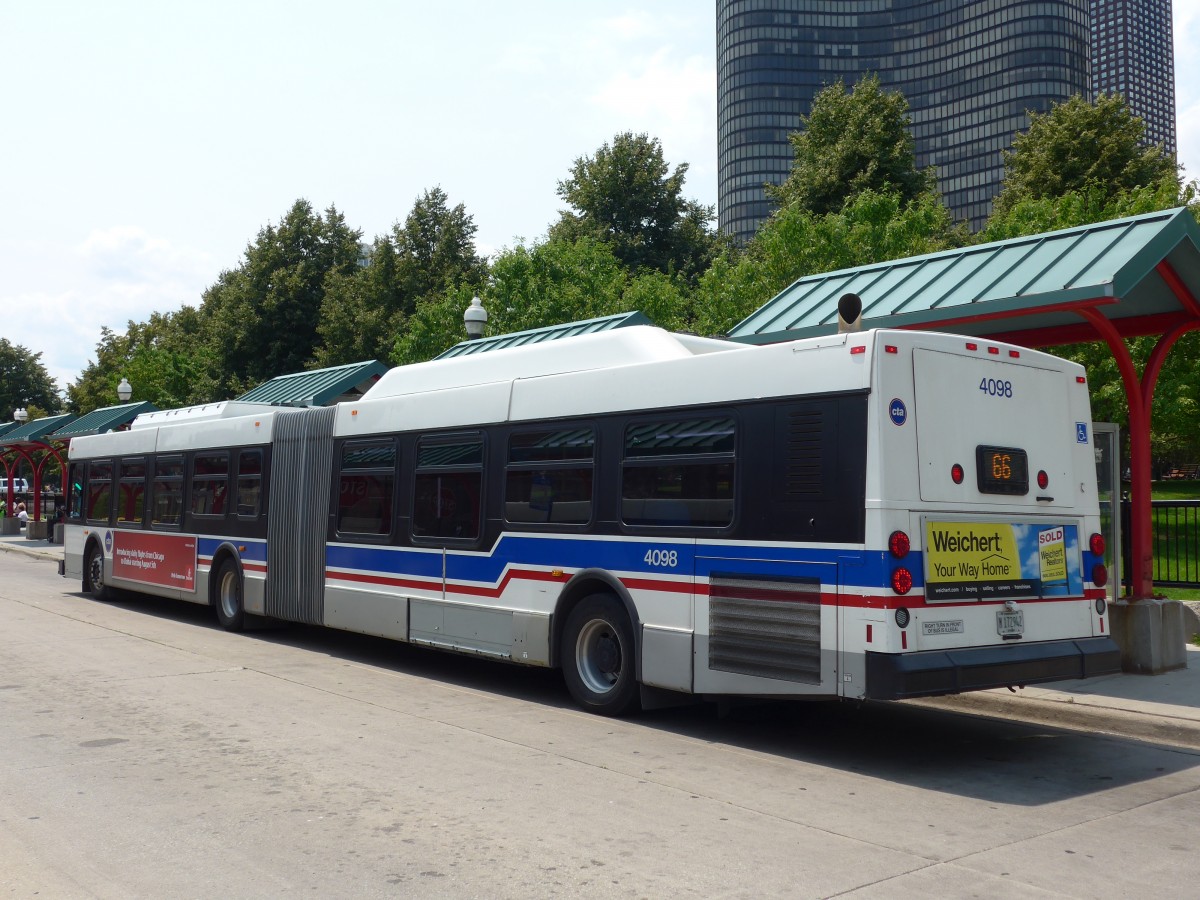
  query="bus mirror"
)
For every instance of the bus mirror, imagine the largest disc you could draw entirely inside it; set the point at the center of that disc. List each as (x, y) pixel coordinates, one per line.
(849, 313)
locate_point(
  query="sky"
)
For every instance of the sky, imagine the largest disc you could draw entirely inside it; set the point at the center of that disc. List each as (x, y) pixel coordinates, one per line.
(145, 144)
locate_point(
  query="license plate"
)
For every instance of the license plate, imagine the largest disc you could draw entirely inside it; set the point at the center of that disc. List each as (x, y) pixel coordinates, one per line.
(1010, 623)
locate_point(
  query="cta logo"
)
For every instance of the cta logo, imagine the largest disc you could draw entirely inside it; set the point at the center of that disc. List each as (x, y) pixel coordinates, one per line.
(898, 411)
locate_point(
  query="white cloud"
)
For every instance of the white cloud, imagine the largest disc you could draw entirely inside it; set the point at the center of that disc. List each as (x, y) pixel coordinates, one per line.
(114, 275)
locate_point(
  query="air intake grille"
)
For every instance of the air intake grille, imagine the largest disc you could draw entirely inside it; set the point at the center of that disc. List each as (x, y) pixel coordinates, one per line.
(769, 627)
(802, 471)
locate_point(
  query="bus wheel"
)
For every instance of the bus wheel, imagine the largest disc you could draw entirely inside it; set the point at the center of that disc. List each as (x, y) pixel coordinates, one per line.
(231, 611)
(598, 663)
(93, 576)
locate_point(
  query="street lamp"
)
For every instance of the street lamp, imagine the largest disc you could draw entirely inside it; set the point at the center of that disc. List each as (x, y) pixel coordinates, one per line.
(20, 414)
(124, 389)
(475, 318)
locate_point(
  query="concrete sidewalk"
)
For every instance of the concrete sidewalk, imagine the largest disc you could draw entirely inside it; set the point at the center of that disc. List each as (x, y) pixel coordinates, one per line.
(1161, 708)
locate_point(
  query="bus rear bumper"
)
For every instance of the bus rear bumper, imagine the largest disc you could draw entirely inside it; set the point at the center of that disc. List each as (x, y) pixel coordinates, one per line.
(933, 672)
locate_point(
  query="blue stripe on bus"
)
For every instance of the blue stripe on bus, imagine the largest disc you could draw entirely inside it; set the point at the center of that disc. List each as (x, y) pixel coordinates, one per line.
(859, 568)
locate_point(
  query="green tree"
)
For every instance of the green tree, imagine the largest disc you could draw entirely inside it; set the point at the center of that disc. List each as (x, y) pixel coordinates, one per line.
(851, 142)
(24, 381)
(262, 317)
(796, 242)
(436, 249)
(548, 283)
(627, 197)
(1095, 149)
(430, 254)
(165, 358)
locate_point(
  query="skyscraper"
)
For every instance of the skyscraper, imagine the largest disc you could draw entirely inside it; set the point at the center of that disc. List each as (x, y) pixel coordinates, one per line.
(1133, 55)
(970, 70)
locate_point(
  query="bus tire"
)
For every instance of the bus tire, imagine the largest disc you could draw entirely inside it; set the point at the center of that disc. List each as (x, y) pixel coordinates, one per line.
(598, 656)
(93, 576)
(229, 598)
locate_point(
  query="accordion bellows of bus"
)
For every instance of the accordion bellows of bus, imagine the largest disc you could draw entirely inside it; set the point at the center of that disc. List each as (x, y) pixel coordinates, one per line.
(878, 515)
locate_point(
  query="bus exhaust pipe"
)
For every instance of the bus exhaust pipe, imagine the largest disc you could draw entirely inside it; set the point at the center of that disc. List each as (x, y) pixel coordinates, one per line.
(849, 313)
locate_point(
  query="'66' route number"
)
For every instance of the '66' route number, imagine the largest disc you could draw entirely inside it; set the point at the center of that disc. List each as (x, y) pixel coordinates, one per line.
(994, 387)
(665, 559)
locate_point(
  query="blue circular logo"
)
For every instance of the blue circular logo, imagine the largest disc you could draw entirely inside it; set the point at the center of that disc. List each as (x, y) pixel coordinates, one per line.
(108, 541)
(898, 411)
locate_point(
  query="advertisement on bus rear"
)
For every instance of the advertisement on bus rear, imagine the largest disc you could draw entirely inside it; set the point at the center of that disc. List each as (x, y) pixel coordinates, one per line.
(1000, 561)
(166, 560)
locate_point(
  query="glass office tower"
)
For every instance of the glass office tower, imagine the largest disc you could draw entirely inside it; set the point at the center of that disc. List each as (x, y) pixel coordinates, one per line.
(970, 69)
(1133, 54)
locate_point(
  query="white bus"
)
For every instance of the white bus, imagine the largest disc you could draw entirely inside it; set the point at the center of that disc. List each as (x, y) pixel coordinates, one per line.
(882, 514)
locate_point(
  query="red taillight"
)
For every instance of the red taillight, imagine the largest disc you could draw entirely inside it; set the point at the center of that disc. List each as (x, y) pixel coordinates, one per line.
(890, 348)
(1043, 480)
(1079, 379)
(1096, 544)
(899, 544)
(995, 351)
(971, 346)
(1099, 574)
(956, 473)
(901, 581)
(861, 348)
(1014, 354)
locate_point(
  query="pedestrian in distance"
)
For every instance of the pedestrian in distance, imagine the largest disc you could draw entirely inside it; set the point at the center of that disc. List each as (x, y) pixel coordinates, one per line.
(21, 514)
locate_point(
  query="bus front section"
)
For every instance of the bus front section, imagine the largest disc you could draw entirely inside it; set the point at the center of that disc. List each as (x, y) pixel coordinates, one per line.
(984, 509)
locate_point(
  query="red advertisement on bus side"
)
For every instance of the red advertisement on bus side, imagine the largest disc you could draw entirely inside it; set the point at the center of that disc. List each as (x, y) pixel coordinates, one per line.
(167, 560)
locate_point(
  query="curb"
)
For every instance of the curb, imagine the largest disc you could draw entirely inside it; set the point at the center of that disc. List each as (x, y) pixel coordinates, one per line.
(1075, 716)
(34, 552)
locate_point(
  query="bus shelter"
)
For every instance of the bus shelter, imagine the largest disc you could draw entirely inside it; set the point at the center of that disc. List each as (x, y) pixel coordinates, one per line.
(44, 440)
(1125, 278)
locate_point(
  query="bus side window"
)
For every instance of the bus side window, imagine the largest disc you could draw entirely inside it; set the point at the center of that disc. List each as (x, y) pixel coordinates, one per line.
(679, 472)
(99, 487)
(166, 501)
(210, 484)
(448, 488)
(249, 484)
(131, 499)
(74, 487)
(366, 487)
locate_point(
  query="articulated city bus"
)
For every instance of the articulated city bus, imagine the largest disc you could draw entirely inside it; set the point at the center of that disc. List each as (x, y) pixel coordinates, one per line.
(880, 514)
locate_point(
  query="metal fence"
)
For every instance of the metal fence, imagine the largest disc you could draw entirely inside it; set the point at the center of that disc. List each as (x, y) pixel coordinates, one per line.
(1176, 542)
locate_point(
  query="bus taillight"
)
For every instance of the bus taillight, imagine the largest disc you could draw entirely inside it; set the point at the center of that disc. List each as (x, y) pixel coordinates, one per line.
(1099, 574)
(899, 544)
(1043, 479)
(1096, 544)
(901, 580)
(956, 473)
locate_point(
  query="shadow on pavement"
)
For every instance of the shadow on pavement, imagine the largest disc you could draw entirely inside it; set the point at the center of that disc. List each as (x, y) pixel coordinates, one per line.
(991, 759)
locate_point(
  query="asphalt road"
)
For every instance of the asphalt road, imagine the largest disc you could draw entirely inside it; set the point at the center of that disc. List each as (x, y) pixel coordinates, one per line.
(146, 753)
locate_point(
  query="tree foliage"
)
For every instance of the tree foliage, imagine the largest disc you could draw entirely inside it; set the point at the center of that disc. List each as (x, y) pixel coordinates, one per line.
(547, 283)
(430, 254)
(852, 142)
(166, 360)
(627, 197)
(262, 317)
(24, 381)
(796, 242)
(1095, 149)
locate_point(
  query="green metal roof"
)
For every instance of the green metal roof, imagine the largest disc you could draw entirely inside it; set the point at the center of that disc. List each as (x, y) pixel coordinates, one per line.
(109, 418)
(550, 333)
(36, 430)
(1029, 285)
(6, 427)
(320, 387)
